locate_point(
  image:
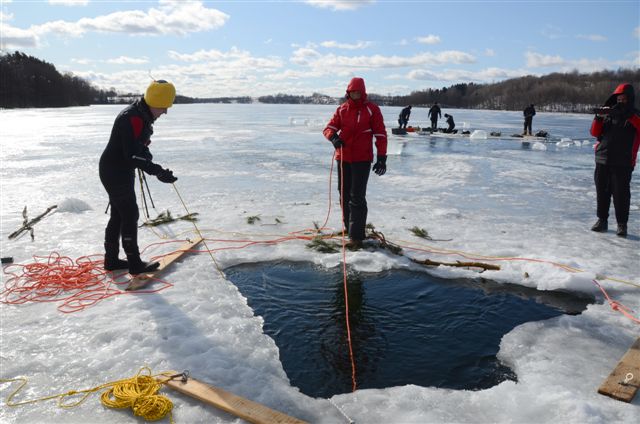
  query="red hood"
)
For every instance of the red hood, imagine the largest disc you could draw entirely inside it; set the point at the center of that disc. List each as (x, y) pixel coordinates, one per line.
(624, 88)
(357, 84)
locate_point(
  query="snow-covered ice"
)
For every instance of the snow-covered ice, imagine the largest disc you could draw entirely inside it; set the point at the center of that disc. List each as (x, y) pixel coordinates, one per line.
(493, 198)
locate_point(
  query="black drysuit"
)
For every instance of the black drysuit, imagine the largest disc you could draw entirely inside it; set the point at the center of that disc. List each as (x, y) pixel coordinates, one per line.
(434, 114)
(450, 123)
(529, 112)
(403, 119)
(127, 150)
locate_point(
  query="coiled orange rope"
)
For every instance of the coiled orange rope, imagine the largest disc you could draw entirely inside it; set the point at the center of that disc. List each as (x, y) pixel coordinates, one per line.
(75, 284)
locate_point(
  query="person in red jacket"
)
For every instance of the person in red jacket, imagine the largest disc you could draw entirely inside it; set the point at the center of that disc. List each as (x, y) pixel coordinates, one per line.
(617, 128)
(351, 130)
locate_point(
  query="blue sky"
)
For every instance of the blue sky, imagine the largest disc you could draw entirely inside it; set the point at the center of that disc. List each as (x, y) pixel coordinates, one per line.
(237, 48)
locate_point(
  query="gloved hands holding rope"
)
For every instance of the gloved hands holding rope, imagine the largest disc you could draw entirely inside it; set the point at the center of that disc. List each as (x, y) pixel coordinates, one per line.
(336, 141)
(380, 167)
(166, 176)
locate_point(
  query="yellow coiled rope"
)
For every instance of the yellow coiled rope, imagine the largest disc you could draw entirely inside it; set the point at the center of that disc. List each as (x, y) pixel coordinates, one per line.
(140, 393)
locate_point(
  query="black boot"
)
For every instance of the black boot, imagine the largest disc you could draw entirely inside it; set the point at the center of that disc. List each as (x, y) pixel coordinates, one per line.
(600, 226)
(111, 260)
(137, 266)
(622, 230)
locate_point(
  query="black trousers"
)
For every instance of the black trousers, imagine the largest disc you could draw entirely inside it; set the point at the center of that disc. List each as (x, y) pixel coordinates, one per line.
(123, 221)
(434, 123)
(613, 181)
(352, 186)
(527, 125)
(403, 123)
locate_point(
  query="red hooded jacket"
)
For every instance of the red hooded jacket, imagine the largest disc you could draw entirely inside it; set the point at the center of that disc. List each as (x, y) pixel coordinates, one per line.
(618, 144)
(357, 122)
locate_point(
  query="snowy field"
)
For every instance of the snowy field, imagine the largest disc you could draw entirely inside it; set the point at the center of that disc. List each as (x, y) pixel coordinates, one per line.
(493, 198)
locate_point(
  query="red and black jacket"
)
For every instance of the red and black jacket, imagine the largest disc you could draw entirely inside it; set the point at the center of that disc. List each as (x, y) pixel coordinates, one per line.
(128, 148)
(618, 135)
(357, 122)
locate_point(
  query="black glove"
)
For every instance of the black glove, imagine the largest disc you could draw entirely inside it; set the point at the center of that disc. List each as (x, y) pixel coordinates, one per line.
(616, 110)
(336, 141)
(380, 167)
(166, 176)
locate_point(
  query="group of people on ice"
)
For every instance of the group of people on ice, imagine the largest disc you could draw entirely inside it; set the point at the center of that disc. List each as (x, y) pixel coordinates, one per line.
(352, 130)
(434, 113)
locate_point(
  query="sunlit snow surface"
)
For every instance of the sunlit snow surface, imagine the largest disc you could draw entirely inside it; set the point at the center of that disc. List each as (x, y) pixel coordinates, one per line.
(491, 197)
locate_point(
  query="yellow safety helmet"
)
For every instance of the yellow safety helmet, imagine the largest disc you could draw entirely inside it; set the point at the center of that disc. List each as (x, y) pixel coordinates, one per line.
(160, 94)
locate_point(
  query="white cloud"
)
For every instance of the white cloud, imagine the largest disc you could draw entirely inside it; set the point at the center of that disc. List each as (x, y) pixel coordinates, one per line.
(124, 60)
(429, 39)
(339, 4)
(305, 56)
(4, 17)
(489, 52)
(233, 64)
(423, 75)
(329, 63)
(636, 32)
(13, 37)
(536, 60)
(592, 37)
(81, 61)
(346, 46)
(69, 2)
(456, 75)
(173, 18)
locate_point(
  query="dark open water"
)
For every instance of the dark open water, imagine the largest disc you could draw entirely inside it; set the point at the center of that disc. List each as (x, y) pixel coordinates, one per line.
(407, 327)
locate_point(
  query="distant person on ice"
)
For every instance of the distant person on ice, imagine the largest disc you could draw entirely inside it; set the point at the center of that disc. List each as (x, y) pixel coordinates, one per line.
(529, 112)
(434, 114)
(403, 119)
(617, 128)
(128, 149)
(351, 130)
(450, 123)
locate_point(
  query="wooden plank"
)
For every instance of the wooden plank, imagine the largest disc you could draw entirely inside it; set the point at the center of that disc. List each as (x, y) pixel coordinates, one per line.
(624, 381)
(141, 280)
(246, 409)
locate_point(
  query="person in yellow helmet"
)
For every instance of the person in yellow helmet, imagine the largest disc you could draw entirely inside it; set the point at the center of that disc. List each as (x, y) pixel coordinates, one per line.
(128, 149)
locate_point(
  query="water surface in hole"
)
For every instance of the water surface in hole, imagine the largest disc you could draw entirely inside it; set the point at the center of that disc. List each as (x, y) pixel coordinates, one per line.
(406, 327)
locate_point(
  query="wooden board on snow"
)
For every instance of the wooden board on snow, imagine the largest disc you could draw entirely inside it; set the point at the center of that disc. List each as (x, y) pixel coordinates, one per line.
(246, 409)
(141, 280)
(624, 381)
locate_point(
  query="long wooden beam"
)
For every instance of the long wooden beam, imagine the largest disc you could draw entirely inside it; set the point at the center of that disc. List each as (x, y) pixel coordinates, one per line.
(624, 381)
(246, 409)
(141, 280)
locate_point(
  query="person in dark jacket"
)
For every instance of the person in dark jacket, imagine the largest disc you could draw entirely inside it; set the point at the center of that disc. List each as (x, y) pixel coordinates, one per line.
(434, 114)
(529, 112)
(403, 119)
(617, 128)
(450, 123)
(351, 130)
(128, 149)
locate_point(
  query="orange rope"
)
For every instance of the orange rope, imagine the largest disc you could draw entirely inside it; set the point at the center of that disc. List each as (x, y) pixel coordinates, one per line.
(75, 284)
(617, 306)
(344, 274)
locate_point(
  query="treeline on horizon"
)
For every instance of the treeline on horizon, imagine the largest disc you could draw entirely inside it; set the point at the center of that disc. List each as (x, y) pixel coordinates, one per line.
(26, 82)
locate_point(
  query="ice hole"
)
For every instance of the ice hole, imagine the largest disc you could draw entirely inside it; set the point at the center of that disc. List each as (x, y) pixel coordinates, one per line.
(406, 327)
